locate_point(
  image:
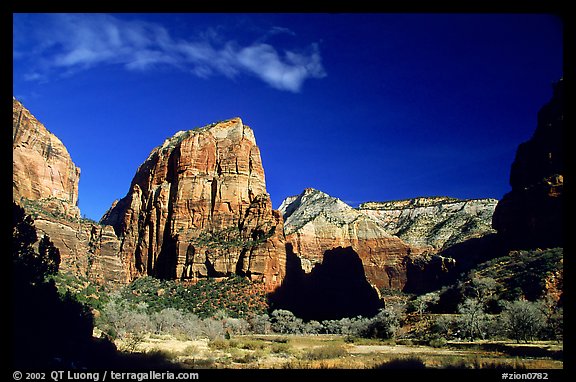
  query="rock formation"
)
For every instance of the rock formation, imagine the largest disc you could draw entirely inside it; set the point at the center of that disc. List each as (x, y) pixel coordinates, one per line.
(531, 215)
(316, 222)
(198, 207)
(45, 184)
(42, 167)
(439, 222)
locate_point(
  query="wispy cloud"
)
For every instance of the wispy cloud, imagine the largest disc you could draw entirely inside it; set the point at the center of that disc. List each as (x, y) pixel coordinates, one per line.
(75, 42)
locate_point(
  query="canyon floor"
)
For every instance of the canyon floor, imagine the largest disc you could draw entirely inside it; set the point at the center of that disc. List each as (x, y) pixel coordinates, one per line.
(334, 351)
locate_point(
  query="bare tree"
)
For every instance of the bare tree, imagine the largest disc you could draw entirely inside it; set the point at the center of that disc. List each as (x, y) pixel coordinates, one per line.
(473, 319)
(524, 320)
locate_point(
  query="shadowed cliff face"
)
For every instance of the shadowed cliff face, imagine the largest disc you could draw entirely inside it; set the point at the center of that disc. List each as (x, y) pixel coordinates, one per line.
(531, 215)
(335, 288)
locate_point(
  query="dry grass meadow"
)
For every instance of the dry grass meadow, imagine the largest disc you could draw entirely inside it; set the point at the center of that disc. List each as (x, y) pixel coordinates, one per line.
(338, 352)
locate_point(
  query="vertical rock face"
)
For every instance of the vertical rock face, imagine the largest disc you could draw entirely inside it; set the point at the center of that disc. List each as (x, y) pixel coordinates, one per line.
(198, 207)
(439, 222)
(45, 184)
(316, 223)
(42, 168)
(531, 215)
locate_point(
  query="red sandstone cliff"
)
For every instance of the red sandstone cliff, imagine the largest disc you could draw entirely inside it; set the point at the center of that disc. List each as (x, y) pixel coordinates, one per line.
(198, 207)
(45, 184)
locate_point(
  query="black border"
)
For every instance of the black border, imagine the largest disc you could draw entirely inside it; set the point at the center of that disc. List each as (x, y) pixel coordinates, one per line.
(559, 8)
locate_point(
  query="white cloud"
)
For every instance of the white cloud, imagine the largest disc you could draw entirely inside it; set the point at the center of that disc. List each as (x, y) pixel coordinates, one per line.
(76, 42)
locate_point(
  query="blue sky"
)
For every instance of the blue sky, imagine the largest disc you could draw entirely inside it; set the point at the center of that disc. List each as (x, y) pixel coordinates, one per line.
(364, 107)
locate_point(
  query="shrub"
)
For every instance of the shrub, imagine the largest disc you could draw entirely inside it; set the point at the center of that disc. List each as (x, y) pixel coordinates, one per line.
(326, 352)
(260, 324)
(212, 328)
(443, 326)
(220, 344)
(437, 342)
(236, 326)
(251, 345)
(246, 358)
(280, 348)
(332, 327)
(403, 363)
(170, 321)
(384, 325)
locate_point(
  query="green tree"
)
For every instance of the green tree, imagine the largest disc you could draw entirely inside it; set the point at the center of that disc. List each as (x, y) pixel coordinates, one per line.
(384, 325)
(285, 322)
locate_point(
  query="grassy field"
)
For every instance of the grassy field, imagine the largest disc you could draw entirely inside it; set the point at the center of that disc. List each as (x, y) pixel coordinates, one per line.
(333, 351)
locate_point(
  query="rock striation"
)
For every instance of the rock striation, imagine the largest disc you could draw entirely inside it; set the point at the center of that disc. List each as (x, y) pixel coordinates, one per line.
(45, 184)
(197, 207)
(439, 222)
(531, 215)
(315, 223)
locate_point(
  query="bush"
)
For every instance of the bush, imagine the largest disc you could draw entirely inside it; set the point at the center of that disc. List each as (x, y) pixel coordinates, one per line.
(220, 344)
(332, 327)
(326, 352)
(443, 326)
(403, 363)
(170, 321)
(260, 324)
(236, 326)
(118, 318)
(280, 348)
(384, 325)
(438, 342)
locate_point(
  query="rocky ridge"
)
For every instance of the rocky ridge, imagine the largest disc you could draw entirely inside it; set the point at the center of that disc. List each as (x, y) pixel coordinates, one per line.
(439, 222)
(315, 223)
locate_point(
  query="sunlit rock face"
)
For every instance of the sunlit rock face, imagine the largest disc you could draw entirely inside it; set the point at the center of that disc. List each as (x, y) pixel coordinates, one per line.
(316, 223)
(42, 167)
(439, 222)
(45, 183)
(198, 207)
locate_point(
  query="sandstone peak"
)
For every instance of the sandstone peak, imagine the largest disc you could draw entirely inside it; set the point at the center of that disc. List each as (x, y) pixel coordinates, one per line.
(232, 129)
(197, 193)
